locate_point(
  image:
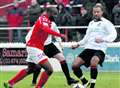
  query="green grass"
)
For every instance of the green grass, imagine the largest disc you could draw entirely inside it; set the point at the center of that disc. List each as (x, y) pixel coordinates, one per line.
(57, 80)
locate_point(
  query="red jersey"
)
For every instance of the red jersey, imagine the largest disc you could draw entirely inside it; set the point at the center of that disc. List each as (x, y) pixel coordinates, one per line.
(40, 32)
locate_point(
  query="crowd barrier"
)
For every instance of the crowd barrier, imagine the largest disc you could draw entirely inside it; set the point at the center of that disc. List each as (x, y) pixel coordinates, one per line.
(14, 54)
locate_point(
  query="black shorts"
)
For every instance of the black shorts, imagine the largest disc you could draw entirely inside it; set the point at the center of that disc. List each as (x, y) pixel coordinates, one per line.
(87, 55)
(50, 50)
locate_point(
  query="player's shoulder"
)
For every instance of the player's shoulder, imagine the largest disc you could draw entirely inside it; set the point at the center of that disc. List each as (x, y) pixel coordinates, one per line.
(106, 21)
(91, 22)
(44, 20)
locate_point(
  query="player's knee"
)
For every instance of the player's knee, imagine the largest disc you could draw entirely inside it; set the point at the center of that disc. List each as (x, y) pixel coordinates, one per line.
(93, 64)
(49, 71)
(75, 66)
(29, 70)
(37, 68)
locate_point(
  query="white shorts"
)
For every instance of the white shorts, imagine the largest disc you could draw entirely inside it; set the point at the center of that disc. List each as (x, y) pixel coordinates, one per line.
(35, 55)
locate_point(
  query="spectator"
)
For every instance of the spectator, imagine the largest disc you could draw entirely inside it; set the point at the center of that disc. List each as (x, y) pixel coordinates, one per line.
(116, 14)
(61, 12)
(15, 19)
(64, 18)
(33, 12)
(82, 20)
(109, 6)
(88, 4)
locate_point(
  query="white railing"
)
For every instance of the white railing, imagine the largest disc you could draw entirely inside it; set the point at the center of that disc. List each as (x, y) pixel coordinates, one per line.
(24, 30)
(10, 4)
(54, 62)
(60, 27)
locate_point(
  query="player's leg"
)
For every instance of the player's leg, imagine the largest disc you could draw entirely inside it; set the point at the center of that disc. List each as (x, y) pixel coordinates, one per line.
(45, 74)
(77, 70)
(19, 76)
(94, 70)
(96, 59)
(36, 73)
(60, 57)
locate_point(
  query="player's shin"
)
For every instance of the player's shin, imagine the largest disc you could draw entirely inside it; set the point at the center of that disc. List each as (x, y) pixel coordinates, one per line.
(94, 73)
(46, 74)
(18, 77)
(78, 72)
(36, 74)
(65, 69)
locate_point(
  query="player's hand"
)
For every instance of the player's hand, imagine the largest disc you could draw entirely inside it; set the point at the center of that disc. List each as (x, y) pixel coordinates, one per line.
(99, 40)
(75, 46)
(61, 45)
(63, 36)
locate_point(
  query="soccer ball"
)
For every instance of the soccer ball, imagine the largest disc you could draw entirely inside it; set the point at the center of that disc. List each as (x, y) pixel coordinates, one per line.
(77, 85)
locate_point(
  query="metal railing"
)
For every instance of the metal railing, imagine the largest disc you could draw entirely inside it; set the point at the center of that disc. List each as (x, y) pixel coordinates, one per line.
(5, 32)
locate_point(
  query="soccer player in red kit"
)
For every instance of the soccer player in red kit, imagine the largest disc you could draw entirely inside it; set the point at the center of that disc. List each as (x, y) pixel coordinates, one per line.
(35, 47)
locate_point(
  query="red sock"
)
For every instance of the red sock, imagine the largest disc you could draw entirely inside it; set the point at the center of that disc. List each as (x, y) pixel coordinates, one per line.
(42, 80)
(18, 77)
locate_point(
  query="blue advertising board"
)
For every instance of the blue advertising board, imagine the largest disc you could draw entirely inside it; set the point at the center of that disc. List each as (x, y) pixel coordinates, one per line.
(111, 63)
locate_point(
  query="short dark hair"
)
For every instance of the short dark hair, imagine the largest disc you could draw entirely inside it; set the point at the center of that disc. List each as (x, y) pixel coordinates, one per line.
(52, 10)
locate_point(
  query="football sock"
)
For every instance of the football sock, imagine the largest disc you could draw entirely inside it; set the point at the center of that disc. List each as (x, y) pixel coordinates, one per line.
(78, 72)
(65, 69)
(93, 74)
(93, 81)
(43, 79)
(18, 77)
(35, 74)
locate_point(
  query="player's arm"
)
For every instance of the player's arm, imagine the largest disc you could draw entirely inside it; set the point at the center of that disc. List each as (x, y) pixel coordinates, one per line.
(112, 34)
(83, 41)
(58, 39)
(47, 29)
(55, 28)
(50, 31)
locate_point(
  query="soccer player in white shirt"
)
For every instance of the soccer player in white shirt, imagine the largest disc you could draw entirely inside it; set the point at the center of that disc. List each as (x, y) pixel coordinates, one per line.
(100, 32)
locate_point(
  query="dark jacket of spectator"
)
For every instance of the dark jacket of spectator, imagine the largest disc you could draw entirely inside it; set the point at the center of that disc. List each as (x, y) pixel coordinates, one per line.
(88, 4)
(83, 19)
(64, 18)
(109, 6)
(33, 12)
(116, 13)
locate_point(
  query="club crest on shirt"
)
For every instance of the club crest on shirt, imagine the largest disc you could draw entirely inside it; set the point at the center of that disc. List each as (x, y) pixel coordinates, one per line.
(99, 24)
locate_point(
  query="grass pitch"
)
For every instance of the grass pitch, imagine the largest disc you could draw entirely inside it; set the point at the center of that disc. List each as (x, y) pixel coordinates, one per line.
(57, 80)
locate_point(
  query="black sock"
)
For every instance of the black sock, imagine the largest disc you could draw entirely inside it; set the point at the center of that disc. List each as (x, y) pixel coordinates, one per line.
(35, 74)
(92, 85)
(78, 72)
(65, 69)
(93, 73)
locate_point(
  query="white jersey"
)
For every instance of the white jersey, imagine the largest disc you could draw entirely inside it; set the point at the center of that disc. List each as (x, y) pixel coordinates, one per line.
(49, 39)
(103, 29)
